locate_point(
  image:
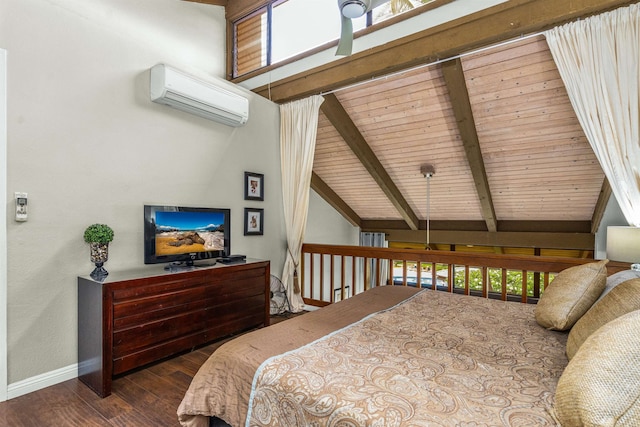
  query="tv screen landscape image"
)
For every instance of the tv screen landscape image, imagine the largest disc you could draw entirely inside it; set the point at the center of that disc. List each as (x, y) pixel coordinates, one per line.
(184, 234)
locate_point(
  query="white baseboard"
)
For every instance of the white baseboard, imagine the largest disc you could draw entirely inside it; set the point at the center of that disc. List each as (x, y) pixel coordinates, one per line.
(41, 381)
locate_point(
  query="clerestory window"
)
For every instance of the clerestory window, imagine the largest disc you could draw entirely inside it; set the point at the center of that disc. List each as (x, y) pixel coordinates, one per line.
(282, 29)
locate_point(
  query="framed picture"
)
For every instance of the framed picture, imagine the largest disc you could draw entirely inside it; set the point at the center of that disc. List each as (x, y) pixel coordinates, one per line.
(253, 222)
(253, 186)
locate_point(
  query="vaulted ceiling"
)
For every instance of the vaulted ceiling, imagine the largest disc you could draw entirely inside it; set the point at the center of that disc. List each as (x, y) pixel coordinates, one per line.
(484, 105)
(499, 130)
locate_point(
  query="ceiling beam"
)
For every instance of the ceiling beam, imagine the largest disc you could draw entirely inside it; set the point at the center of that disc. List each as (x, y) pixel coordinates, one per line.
(211, 2)
(380, 224)
(576, 241)
(601, 205)
(459, 98)
(238, 8)
(339, 118)
(330, 196)
(502, 22)
(519, 226)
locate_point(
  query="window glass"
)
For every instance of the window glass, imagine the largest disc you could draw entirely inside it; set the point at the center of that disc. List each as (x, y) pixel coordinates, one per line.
(394, 8)
(286, 28)
(301, 25)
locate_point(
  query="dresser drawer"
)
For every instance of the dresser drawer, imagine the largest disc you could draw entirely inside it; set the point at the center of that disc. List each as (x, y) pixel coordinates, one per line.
(130, 319)
(140, 310)
(135, 338)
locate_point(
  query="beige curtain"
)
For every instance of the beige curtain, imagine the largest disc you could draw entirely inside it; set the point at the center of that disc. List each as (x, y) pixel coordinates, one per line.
(598, 59)
(298, 128)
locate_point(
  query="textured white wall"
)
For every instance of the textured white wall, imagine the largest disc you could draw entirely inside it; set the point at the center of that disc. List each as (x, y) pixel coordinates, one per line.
(612, 216)
(3, 220)
(326, 226)
(88, 146)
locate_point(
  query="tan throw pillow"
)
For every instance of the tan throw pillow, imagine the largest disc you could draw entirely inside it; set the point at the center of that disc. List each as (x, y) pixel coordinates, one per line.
(570, 295)
(622, 299)
(600, 385)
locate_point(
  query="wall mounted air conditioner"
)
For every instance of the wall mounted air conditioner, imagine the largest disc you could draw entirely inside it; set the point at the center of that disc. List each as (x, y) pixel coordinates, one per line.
(205, 99)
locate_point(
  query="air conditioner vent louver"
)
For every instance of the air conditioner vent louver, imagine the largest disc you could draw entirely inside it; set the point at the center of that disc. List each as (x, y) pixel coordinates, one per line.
(187, 93)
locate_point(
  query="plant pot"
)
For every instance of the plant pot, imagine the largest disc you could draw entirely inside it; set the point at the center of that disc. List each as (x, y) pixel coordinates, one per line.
(99, 255)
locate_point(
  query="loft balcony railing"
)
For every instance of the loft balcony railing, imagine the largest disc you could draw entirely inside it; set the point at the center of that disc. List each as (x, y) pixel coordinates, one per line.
(333, 273)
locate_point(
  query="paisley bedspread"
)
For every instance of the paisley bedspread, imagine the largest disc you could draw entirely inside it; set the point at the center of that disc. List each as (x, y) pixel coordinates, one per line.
(436, 359)
(391, 356)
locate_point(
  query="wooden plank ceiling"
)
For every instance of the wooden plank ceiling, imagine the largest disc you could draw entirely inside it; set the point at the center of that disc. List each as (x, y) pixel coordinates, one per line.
(497, 126)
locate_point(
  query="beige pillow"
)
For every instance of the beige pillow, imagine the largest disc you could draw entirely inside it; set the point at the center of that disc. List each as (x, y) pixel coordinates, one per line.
(601, 385)
(570, 295)
(622, 299)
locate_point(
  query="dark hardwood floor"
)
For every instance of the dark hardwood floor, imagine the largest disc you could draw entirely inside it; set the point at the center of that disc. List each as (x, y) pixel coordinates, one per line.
(147, 397)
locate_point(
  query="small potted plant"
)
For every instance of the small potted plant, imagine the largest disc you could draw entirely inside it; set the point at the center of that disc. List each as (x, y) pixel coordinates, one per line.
(98, 237)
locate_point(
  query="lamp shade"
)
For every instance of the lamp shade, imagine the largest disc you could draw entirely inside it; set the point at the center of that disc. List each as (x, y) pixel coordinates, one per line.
(623, 244)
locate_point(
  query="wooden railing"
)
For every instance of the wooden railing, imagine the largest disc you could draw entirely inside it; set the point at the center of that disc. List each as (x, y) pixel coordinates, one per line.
(332, 273)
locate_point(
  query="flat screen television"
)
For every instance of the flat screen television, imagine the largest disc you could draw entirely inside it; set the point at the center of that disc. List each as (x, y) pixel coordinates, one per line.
(182, 235)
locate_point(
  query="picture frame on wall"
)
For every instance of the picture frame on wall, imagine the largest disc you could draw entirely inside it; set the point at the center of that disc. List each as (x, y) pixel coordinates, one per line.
(253, 186)
(253, 222)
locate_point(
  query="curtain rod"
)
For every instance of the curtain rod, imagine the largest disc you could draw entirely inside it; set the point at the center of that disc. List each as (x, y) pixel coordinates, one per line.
(439, 61)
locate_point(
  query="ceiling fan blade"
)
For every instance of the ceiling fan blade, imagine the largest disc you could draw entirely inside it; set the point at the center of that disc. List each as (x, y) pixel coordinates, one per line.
(346, 37)
(376, 3)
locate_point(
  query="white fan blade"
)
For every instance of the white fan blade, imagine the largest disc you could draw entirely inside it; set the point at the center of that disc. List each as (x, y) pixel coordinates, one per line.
(346, 37)
(376, 3)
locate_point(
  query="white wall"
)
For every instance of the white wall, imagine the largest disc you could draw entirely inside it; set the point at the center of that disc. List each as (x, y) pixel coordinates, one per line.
(87, 145)
(3, 228)
(326, 226)
(612, 216)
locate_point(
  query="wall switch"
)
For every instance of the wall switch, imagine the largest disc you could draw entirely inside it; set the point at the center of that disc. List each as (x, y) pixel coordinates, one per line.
(21, 206)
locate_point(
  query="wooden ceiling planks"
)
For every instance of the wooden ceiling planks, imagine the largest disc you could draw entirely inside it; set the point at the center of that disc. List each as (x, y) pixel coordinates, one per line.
(539, 164)
(407, 120)
(337, 165)
(342, 122)
(534, 148)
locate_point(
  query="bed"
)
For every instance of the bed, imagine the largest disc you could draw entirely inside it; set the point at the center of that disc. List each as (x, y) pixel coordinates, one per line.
(400, 356)
(392, 355)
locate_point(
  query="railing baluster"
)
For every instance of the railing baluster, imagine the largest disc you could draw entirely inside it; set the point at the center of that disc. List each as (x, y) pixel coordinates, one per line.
(332, 284)
(367, 272)
(434, 276)
(342, 277)
(303, 276)
(353, 275)
(449, 260)
(322, 277)
(466, 280)
(504, 284)
(536, 284)
(485, 282)
(404, 272)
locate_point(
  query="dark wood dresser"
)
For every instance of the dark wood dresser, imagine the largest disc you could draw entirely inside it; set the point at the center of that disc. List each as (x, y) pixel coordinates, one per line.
(136, 317)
